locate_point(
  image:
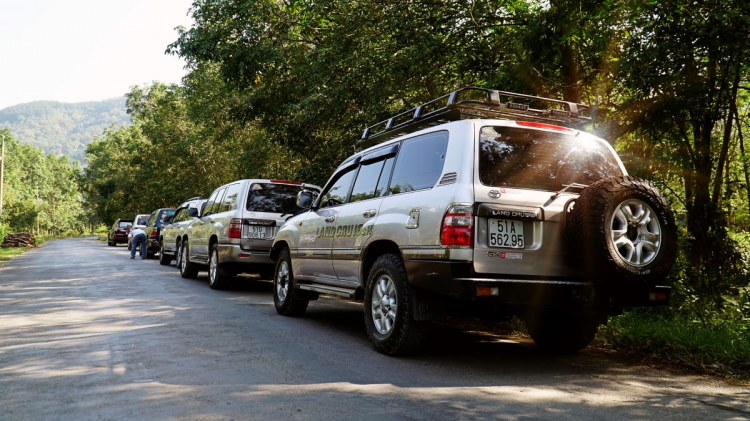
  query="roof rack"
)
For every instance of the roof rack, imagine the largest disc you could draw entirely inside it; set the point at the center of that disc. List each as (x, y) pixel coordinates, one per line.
(472, 102)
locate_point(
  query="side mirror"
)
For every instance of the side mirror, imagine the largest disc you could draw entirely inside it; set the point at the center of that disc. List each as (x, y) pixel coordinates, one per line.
(304, 199)
(193, 212)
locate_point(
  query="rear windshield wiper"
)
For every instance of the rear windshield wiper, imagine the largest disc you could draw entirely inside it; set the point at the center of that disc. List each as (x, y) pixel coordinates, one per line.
(563, 190)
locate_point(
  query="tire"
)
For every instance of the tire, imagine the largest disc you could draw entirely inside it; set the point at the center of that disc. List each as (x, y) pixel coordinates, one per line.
(188, 269)
(391, 332)
(218, 278)
(562, 333)
(178, 253)
(164, 259)
(622, 250)
(109, 242)
(284, 293)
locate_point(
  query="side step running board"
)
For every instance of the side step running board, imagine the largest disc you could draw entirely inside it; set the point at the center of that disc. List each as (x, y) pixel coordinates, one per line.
(325, 289)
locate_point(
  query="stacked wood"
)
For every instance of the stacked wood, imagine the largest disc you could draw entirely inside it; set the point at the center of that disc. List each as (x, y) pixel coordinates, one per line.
(21, 239)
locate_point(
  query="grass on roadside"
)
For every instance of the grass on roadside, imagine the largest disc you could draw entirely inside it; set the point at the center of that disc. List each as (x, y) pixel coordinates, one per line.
(721, 349)
(7, 252)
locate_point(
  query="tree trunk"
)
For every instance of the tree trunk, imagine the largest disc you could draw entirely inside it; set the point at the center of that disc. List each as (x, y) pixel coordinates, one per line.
(723, 155)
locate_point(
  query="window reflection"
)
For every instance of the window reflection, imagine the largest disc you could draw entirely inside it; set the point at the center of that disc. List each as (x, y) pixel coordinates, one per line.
(534, 159)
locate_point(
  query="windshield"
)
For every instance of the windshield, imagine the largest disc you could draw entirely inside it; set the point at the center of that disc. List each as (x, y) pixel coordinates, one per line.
(535, 159)
(273, 198)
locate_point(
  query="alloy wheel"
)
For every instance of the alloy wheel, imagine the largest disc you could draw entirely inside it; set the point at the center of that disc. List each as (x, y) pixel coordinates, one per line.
(282, 281)
(384, 305)
(635, 232)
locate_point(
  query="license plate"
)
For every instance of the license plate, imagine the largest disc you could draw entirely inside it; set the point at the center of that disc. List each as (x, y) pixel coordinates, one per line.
(506, 233)
(257, 232)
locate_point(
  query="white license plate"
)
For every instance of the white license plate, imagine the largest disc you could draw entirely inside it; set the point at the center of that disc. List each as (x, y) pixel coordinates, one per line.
(256, 232)
(506, 233)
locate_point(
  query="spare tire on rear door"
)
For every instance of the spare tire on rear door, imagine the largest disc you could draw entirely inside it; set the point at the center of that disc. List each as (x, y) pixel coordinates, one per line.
(625, 232)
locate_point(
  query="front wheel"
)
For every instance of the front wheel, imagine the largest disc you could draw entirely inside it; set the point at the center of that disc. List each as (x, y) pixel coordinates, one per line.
(218, 278)
(187, 269)
(389, 313)
(283, 288)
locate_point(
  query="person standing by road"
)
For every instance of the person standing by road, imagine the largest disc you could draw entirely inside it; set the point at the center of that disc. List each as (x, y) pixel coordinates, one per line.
(138, 236)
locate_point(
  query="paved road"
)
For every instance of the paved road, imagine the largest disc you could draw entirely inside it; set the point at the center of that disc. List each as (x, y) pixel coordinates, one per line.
(86, 333)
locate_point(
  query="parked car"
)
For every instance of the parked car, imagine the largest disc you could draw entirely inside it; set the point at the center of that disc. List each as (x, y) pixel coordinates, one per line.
(237, 226)
(174, 230)
(153, 228)
(118, 232)
(467, 206)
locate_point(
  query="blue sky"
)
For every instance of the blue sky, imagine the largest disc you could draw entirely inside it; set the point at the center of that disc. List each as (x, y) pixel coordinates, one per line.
(86, 50)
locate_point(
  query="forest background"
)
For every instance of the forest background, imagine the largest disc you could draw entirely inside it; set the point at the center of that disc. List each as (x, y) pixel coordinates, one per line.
(282, 89)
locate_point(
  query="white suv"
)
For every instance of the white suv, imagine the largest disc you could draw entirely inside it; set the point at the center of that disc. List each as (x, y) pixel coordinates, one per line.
(236, 227)
(465, 206)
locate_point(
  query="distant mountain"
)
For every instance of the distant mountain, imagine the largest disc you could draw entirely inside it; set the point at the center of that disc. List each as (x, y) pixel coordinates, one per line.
(63, 128)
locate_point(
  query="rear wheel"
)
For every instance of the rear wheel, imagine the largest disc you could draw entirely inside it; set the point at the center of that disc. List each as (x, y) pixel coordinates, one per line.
(187, 269)
(284, 299)
(562, 333)
(164, 258)
(388, 309)
(218, 278)
(110, 243)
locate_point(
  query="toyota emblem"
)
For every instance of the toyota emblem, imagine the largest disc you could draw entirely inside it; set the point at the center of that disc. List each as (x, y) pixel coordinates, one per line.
(494, 194)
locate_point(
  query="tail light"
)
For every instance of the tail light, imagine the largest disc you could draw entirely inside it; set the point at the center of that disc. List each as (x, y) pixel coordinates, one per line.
(153, 232)
(458, 226)
(235, 228)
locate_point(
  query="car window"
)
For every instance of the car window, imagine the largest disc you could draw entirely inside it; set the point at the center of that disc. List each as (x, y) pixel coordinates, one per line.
(367, 181)
(124, 224)
(419, 162)
(272, 198)
(211, 201)
(178, 216)
(230, 198)
(216, 206)
(151, 219)
(385, 176)
(541, 160)
(142, 220)
(338, 191)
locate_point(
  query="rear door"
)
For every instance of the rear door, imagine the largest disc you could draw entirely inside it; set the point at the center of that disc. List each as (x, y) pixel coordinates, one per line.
(519, 217)
(356, 219)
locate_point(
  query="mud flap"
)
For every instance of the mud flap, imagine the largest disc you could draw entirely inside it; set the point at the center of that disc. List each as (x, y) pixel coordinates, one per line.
(427, 305)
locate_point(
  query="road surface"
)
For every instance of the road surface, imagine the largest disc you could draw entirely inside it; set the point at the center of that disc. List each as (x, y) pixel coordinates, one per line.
(87, 333)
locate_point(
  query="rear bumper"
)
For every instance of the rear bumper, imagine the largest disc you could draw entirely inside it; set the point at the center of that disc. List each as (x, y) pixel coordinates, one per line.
(458, 280)
(120, 238)
(233, 254)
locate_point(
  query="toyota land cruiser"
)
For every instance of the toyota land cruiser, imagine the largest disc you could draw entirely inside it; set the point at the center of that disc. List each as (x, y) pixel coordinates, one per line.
(472, 205)
(236, 228)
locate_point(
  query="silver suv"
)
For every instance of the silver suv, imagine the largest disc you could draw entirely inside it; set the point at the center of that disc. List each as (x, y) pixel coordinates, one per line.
(467, 205)
(172, 233)
(236, 228)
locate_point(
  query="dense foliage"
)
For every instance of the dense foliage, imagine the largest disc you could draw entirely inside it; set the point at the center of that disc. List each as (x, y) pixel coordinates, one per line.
(62, 128)
(283, 89)
(41, 192)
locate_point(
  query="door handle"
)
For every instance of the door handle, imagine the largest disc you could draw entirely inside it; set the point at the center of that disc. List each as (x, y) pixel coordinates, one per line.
(369, 213)
(330, 219)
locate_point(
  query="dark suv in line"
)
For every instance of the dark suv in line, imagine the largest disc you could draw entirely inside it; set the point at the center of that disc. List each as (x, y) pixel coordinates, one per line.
(153, 228)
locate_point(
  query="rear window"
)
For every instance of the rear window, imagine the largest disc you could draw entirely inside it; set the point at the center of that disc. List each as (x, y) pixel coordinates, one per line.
(164, 215)
(272, 198)
(124, 224)
(142, 220)
(539, 160)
